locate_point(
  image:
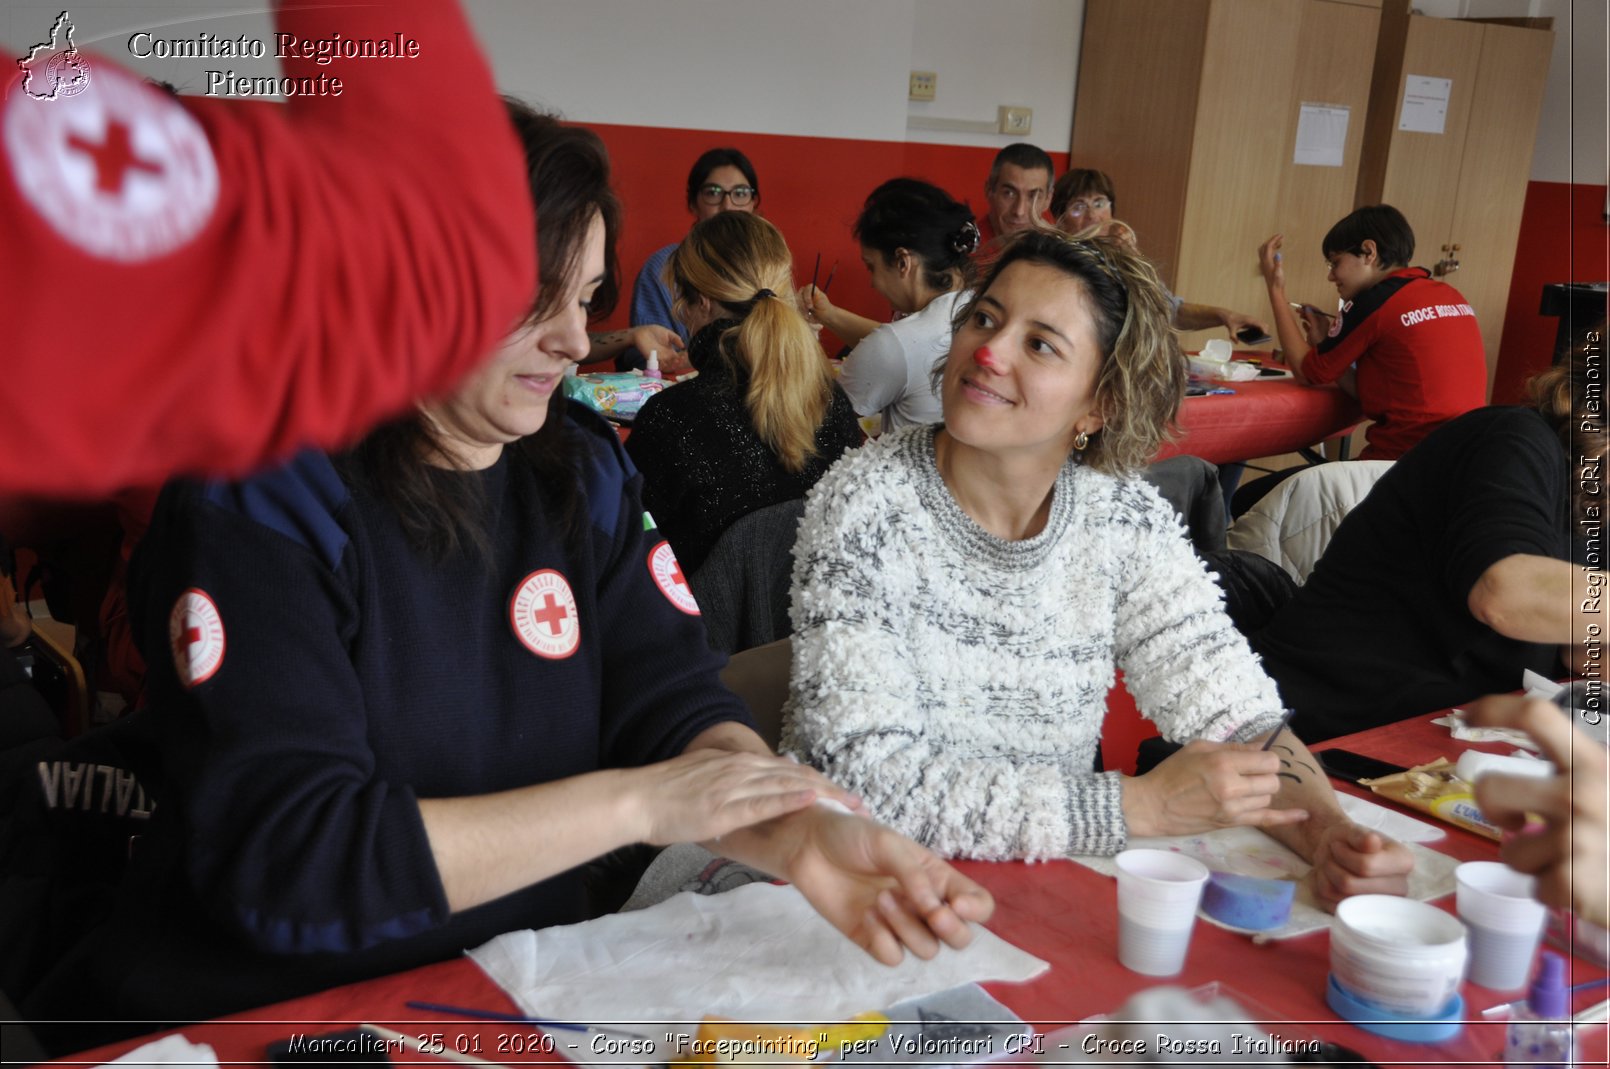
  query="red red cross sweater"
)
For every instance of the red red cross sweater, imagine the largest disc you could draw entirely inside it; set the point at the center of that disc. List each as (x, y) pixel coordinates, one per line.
(1419, 355)
(202, 285)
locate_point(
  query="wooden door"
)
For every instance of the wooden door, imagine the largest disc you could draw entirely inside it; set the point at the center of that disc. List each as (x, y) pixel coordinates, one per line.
(1249, 67)
(1333, 46)
(1418, 173)
(1135, 108)
(1494, 174)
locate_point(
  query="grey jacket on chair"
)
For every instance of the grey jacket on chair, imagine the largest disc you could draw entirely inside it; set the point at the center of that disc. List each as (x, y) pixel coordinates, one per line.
(742, 587)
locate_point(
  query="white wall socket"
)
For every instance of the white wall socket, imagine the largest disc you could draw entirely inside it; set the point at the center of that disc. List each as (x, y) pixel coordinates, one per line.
(1019, 121)
(923, 85)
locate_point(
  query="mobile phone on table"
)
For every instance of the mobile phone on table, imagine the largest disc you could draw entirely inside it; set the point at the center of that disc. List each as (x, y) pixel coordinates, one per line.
(1352, 767)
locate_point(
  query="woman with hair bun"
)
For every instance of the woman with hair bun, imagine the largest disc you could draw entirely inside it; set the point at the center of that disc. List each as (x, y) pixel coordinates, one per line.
(964, 593)
(763, 421)
(917, 244)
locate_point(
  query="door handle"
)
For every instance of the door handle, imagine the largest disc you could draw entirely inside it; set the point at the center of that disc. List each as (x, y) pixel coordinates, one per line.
(1449, 262)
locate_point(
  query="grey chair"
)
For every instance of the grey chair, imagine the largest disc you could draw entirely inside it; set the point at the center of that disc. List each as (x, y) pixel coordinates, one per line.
(742, 586)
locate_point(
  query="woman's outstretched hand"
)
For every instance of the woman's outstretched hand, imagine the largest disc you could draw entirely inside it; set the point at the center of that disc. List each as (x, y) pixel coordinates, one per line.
(707, 793)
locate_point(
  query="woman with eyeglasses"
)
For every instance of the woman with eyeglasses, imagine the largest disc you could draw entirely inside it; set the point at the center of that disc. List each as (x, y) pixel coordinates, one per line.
(721, 180)
(1085, 198)
(963, 594)
(405, 693)
(763, 420)
(917, 243)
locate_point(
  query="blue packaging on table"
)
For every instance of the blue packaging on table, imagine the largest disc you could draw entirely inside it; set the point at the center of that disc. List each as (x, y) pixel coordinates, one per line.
(617, 394)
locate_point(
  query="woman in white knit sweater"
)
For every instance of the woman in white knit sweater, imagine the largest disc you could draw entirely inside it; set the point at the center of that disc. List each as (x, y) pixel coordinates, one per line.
(963, 594)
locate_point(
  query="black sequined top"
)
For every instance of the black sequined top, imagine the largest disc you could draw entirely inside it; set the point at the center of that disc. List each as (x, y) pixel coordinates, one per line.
(703, 465)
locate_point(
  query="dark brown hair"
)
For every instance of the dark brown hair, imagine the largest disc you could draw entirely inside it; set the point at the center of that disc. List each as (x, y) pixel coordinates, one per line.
(1380, 223)
(1570, 395)
(1078, 182)
(918, 216)
(713, 160)
(568, 172)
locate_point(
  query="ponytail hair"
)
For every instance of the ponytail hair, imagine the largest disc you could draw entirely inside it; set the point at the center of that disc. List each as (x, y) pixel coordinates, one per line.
(741, 262)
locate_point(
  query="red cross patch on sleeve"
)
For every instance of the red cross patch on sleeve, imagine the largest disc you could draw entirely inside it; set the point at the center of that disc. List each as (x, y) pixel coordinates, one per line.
(196, 636)
(667, 573)
(120, 170)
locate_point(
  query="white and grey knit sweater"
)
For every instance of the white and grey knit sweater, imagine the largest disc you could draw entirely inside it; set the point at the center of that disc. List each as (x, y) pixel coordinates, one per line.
(958, 682)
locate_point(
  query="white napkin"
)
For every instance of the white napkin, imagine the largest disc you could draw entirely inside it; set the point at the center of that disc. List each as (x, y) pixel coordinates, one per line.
(1389, 822)
(757, 953)
(169, 1050)
(1534, 685)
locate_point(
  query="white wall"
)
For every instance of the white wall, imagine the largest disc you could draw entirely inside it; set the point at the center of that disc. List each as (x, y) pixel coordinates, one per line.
(833, 68)
(825, 68)
(1571, 143)
(993, 52)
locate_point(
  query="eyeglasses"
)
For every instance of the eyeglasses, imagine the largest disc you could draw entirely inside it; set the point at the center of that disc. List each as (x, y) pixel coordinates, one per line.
(739, 195)
(1331, 261)
(1085, 207)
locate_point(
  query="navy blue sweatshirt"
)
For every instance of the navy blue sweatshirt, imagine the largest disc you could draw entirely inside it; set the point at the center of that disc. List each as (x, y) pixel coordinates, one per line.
(316, 675)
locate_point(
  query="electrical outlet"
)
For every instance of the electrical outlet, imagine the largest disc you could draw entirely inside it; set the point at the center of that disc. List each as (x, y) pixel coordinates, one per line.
(923, 85)
(1019, 121)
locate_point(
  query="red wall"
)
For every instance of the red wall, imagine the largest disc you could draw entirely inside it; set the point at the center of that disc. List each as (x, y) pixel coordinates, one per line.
(811, 187)
(1563, 239)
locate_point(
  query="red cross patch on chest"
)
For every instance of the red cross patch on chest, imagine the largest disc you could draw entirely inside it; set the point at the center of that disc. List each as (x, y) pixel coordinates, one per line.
(542, 613)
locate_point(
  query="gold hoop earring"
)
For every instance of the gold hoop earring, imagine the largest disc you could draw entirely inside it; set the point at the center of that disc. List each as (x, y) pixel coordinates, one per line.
(1081, 441)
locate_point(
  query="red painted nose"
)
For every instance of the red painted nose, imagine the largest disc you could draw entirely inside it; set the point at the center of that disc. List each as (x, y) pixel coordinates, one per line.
(983, 357)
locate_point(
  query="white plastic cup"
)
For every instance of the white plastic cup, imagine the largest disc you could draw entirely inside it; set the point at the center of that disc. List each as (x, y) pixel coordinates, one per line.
(1404, 956)
(1158, 892)
(1505, 922)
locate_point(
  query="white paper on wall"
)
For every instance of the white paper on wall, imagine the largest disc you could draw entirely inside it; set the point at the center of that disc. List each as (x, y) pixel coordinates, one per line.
(1321, 134)
(1425, 104)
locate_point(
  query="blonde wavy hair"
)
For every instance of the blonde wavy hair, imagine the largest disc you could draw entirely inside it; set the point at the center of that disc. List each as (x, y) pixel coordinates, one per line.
(1113, 229)
(1141, 379)
(741, 262)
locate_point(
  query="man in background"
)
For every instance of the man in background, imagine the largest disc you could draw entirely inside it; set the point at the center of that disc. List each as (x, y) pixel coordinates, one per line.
(1018, 189)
